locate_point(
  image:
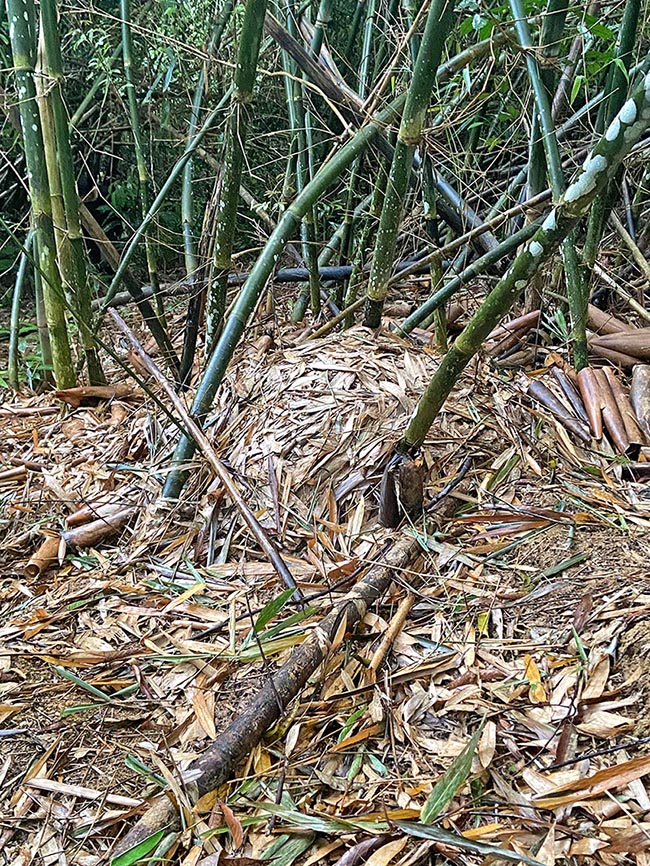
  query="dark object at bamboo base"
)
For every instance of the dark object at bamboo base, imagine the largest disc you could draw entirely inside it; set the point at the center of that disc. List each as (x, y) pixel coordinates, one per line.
(402, 490)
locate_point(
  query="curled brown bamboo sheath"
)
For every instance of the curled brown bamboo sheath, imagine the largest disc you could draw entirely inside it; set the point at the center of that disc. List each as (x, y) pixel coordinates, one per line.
(634, 432)
(538, 391)
(611, 416)
(620, 359)
(589, 391)
(521, 324)
(570, 392)
(604, 323)
(90, 533)
(505, 343)
(562, 364)
(635, 343)
(93, 512)
(44, 558)
(640, 396)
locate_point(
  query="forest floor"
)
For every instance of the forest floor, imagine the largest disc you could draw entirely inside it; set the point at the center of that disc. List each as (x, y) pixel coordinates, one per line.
(520, 629)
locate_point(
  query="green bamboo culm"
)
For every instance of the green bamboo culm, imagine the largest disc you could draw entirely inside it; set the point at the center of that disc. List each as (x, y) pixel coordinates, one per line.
(301, 148)
(22, 35)
(372, 218)
(436, 29)
(262, 270)
(69, 238)
(575, 287)
(615, 90)
(138, 146)
(623, 133)
(222, 15)
(224, 232)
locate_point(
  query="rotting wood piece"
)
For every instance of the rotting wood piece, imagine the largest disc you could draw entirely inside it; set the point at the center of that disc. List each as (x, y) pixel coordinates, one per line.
(242, 735)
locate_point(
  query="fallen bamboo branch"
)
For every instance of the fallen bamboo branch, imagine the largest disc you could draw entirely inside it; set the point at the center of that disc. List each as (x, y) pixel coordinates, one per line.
(209, 453)
(215, 765)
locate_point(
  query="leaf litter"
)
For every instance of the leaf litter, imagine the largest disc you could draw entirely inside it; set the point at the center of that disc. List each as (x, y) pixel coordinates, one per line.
(492, 707)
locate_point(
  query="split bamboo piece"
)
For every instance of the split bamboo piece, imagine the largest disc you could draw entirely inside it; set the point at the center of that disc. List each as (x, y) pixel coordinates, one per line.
(588, 385)
(634, 432)
(538, 391)
(640, 396)
(612, 418)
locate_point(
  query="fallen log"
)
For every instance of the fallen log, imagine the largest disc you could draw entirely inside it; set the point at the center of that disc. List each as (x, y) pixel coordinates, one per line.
(214, 766)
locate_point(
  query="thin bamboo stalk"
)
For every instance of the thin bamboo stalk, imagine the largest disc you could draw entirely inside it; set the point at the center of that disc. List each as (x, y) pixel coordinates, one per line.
(625, 130)
(221, 18)
(174, 174)
(14, 322)
(23, 48)
(301, 146)
(577, 296)
(244, 81)
(615, 91)
(138, 146)
(43, 332)
(438, 24)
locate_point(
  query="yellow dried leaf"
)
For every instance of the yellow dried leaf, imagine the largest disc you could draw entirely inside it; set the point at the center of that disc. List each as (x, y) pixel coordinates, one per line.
(536, 691)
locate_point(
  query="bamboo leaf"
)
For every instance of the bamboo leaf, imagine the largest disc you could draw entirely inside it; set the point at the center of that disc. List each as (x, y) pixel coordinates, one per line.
(139, 851)
(451, 782)
(273, 608)
(454, 840)
(285, 850)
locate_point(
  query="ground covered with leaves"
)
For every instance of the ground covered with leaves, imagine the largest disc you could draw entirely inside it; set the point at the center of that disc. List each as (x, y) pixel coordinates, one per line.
(492, 707)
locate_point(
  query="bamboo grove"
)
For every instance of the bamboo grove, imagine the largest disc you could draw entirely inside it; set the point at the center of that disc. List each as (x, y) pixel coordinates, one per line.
(492, 147)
